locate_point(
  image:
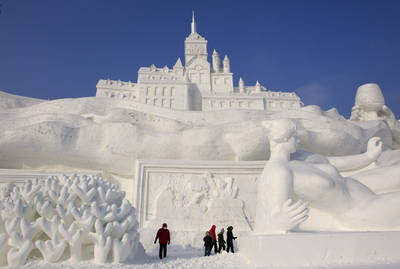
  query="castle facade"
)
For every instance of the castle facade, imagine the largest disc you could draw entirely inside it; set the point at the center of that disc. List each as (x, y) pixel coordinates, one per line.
(196, 85)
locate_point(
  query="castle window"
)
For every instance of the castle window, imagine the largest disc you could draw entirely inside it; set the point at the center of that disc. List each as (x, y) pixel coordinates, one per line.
(173, 91)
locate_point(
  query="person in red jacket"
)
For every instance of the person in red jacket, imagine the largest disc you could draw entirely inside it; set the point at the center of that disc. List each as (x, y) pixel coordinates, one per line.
(214, 237)
(163, 240)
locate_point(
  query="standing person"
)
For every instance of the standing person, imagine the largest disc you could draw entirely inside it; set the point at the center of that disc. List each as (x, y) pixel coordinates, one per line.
(163, 239)
(208, 244)
(221, 240)
(229, 239)
(214, 237)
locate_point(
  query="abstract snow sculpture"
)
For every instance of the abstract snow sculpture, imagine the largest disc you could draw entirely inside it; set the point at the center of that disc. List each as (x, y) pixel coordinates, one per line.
(17, 256)
(66, 217)
(122, 249)
(353, 205)
(51, 250)
(102, 248)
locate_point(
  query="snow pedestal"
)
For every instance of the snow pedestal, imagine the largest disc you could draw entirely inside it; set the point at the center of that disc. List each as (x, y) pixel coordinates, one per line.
(312, 249)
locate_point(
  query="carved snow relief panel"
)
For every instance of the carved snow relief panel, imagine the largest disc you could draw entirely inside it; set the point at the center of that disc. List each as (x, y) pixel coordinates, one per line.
(195, 194)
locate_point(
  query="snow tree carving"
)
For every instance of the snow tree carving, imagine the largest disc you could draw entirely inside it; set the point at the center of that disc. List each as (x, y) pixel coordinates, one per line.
(62, 216)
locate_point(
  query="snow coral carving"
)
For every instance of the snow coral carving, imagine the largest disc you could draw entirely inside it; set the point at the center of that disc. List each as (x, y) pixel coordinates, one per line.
(62, 216)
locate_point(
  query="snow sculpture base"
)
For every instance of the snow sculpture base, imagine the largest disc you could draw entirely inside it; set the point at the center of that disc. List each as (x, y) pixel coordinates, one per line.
(316, 249)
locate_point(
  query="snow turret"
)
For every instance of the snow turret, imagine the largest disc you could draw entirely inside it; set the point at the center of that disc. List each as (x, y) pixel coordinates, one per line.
(215, 61)
(226, 64)
(178, 64)
(241, 85)
(258, 86)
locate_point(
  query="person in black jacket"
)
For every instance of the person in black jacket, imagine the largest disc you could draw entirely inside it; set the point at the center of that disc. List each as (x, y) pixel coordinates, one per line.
(229, 239)
(208, 244)
(221, 240)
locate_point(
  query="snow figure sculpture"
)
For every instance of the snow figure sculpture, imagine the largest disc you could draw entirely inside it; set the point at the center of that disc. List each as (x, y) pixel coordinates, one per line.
(84, 214)
(224, 207)
(285, 185)
(370, 105)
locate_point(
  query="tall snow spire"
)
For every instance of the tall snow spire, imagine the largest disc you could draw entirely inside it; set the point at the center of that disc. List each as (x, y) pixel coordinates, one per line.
(193, 23)
(215, 61)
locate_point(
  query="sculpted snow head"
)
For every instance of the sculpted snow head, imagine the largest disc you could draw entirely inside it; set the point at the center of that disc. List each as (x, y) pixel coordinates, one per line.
(282, 132)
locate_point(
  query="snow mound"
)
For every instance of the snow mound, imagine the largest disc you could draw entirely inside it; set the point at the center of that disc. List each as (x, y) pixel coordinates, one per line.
(109, 135)
(9, 101)
(67, 218)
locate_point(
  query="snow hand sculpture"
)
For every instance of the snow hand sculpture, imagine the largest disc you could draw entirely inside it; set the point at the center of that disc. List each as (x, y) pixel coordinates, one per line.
(71, 211)
(288, 216)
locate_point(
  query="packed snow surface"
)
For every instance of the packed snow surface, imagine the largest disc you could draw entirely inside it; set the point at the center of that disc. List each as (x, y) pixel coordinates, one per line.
(181, 258)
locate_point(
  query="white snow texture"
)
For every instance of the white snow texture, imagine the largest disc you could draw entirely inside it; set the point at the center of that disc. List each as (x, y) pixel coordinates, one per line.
(71, 217)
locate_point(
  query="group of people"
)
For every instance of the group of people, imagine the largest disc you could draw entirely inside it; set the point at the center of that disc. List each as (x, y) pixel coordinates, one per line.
(210, 240)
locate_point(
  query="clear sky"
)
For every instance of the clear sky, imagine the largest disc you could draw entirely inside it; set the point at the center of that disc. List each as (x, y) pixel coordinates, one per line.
(321, 49)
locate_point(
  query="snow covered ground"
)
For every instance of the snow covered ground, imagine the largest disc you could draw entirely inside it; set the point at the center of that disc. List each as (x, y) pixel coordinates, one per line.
(190, 258)
(178, 257)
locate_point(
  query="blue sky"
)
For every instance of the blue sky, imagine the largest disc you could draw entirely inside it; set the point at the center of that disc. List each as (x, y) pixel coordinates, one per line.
(321, 49)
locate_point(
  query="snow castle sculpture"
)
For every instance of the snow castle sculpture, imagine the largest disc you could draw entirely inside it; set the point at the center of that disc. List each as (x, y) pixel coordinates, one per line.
(83, 214)
(197, 85)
